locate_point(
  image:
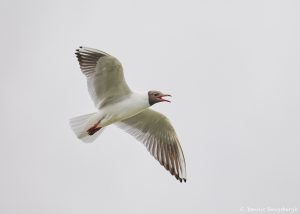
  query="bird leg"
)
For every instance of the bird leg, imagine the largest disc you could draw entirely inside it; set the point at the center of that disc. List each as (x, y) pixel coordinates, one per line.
(94, 128)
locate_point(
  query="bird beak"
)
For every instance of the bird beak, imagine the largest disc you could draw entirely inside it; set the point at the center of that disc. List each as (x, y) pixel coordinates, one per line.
(165, 95)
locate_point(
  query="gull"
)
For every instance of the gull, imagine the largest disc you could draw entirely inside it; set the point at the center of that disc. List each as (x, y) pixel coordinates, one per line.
(117, 104)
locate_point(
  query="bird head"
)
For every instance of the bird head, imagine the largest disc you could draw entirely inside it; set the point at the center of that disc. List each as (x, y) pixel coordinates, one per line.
(157, 96)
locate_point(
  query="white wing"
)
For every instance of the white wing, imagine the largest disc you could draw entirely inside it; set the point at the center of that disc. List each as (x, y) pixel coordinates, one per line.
(157, 134)
(105, 78)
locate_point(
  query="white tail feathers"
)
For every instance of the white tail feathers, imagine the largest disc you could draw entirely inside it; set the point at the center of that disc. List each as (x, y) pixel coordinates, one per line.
(82, 123)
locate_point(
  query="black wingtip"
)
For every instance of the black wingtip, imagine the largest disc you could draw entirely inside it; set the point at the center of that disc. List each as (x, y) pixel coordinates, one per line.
(182, 179)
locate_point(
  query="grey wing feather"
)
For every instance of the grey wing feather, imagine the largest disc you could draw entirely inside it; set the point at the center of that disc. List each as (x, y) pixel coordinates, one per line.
(156, 132)
(105, 78)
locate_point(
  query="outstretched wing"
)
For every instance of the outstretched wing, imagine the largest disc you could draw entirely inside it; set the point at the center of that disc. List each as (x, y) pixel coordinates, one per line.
(105, 78)
(156, 132)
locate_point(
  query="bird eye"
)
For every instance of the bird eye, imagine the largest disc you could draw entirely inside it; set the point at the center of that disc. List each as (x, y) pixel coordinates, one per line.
(156, 94)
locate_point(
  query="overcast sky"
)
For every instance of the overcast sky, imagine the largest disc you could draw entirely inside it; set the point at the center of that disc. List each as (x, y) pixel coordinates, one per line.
(231, 66)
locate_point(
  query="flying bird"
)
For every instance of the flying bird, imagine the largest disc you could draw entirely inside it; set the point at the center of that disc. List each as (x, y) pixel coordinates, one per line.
(117, 104)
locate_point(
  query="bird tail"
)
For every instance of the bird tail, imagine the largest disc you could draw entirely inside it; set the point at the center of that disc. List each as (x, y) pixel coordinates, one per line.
(82, 124)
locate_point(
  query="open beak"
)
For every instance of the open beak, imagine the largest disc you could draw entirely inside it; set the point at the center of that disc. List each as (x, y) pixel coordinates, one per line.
(165, 95)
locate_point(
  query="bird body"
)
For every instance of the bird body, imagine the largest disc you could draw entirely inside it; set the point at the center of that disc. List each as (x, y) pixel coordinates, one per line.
(128, 110)
(132, 105)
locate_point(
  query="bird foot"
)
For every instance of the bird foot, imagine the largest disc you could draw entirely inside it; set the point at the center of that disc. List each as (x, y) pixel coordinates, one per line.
(94, 129)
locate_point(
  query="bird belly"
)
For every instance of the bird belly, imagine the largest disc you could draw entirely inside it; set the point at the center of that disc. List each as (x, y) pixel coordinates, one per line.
(123, 110)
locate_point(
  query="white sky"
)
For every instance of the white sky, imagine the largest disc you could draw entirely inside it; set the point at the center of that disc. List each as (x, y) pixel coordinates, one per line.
(231, 66)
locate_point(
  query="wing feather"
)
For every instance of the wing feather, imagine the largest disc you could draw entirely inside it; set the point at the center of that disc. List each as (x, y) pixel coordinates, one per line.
(105, 78)
(156, 132)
